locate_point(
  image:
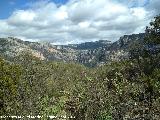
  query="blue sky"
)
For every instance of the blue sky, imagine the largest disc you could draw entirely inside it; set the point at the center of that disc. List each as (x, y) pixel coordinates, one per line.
(75, 21)
(8, 6)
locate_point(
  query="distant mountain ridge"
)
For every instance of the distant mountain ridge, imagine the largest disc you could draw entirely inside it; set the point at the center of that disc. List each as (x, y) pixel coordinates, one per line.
(90, 53)
(89, 45)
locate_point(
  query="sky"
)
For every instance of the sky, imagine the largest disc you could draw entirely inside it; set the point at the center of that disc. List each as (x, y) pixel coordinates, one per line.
(75, 21)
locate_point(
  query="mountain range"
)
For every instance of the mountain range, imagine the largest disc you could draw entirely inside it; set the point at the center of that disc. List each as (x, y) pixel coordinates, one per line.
(89, 53)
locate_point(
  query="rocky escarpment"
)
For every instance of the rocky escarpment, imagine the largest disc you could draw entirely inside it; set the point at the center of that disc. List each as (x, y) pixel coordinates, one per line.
(11, 47)
(116, 51)
(90, 53)
(120, 49)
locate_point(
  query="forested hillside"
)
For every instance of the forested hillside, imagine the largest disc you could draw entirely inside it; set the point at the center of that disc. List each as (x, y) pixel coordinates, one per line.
(126, 87)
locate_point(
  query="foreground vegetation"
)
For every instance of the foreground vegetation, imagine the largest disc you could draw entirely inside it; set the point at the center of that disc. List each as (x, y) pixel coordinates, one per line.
(128, 89)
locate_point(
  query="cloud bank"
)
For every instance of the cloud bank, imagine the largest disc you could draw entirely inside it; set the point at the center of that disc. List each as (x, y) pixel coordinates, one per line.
(79, 20)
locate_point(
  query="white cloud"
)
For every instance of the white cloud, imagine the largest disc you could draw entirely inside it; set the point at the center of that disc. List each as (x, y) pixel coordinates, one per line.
(79, 20)
(21, 16)
(61, 15)
(84, 24)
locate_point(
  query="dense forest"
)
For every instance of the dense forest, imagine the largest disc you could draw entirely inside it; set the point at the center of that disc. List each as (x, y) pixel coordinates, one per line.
(127, 89)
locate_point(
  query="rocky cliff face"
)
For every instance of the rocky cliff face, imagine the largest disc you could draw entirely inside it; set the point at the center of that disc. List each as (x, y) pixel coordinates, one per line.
(89, 54)
(116, 51)
(120, 49)
(12, 47)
